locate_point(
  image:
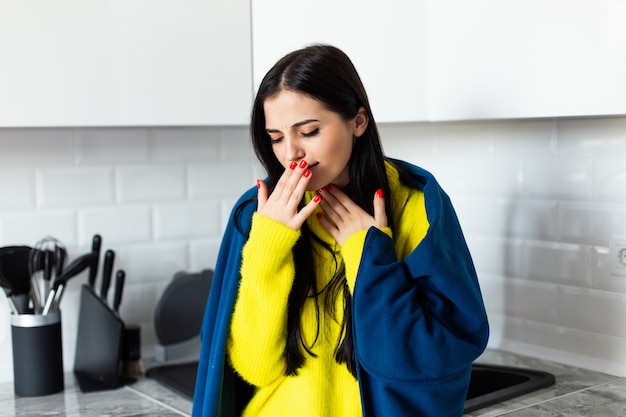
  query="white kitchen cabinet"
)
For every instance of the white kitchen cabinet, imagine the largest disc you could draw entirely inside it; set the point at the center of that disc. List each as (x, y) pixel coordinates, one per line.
(529, 58)
(124, 63)
(386, 41)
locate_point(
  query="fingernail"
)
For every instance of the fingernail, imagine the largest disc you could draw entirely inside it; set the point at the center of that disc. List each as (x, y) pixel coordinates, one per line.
(317, 198)
(258, 183)
(307, 173)
(302, 164)
(319, 215)
(293, 165)
(380, 194)
(327, 187)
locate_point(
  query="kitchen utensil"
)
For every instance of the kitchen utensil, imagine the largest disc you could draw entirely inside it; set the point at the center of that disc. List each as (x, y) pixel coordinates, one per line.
(7, 290)
(76, 267)
(47, 259)
(120, 277)
(107, 271)
(96, 244)
(16, 275)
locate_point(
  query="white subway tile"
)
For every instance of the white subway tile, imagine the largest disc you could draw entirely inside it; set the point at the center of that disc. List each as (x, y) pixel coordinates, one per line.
(592, 136)
(558, 177)
(184, 144)
(493, 291)
(17, 188)
(533, 219)
(150, 183)
(530, 300)
(74, 187)
(591, 222)
(112, 146)
(116, 224)
(463, 138)
(400, 140)
(592, 310)
(496, 255)
(496, 177)
(558, 262)
(28, 227)
(523, 137)
(36, 147)
(449, 173)
(203, 253)
(186, 220)
(235, 144)
(559, 338)
(227, 206)
(609, 179)
(219, 179)
(138, 302)
(609, 348)
(152, 262)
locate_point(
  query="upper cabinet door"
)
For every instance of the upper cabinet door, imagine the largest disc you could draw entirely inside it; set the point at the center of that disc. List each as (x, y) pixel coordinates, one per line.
(526, 58)
(125, 63)
(386, 40)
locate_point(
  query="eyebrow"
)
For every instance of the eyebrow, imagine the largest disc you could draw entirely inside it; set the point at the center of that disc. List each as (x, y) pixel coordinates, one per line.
(298, 124)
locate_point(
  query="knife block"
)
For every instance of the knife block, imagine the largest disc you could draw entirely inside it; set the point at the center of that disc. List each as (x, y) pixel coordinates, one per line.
(98, 344)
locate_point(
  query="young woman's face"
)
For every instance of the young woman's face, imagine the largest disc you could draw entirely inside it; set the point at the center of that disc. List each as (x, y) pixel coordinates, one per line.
(301, 128)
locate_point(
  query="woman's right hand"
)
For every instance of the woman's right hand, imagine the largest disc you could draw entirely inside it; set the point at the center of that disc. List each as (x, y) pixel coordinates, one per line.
(282, 204)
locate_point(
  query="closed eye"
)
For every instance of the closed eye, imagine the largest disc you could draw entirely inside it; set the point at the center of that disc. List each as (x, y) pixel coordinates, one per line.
(312, 133)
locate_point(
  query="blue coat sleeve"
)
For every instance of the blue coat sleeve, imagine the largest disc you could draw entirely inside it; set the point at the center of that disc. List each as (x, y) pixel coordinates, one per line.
(418, 323)
(216, 384)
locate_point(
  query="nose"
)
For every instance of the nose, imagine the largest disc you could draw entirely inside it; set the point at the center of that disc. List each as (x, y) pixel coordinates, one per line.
(293, 151)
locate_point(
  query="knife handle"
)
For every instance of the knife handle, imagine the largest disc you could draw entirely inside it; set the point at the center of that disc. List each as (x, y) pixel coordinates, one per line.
(93, 270)
(107, 270)
(120, 277)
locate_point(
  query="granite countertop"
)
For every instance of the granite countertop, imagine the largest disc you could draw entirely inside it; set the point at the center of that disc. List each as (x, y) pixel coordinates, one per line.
(578, 392)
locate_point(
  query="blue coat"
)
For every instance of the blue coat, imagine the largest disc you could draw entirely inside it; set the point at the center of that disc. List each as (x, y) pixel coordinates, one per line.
(418, 324)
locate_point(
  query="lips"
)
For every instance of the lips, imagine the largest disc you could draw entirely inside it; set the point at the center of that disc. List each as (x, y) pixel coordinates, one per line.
(313, 165)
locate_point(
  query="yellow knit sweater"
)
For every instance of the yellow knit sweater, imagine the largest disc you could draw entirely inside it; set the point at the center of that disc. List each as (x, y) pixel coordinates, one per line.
(322, 388)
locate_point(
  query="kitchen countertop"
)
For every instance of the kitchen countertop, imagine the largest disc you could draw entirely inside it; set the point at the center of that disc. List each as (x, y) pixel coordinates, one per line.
(578, 392)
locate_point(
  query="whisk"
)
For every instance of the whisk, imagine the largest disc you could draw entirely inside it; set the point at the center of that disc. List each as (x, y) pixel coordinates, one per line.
(47, 261)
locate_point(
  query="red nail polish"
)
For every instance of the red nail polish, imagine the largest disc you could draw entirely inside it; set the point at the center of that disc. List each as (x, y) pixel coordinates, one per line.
(327, 188)
(319, 215)
(258, 183)
(380, 194)
(293, 165)
(317, 198)
(302, 164)
(307, 173)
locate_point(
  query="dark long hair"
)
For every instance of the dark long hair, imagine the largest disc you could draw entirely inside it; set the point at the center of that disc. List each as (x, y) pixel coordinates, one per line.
(326, 74)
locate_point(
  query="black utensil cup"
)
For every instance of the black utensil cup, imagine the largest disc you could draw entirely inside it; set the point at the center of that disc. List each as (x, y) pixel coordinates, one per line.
(37, 354)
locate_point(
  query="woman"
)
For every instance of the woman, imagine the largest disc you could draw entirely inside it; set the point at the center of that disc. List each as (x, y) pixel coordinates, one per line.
(344, 286)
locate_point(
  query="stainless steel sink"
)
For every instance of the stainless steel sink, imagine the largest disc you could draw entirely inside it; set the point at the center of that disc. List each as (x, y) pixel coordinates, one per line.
(492, 384)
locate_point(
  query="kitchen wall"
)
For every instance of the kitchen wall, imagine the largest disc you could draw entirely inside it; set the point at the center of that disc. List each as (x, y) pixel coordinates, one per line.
(539, 201)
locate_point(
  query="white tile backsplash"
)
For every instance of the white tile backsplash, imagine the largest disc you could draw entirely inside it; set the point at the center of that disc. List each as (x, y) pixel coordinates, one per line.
(74, 187)
(150, 183)
(539, 201)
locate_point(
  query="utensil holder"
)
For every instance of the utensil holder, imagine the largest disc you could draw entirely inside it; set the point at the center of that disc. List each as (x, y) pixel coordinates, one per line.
(98, 344)
(37, 354)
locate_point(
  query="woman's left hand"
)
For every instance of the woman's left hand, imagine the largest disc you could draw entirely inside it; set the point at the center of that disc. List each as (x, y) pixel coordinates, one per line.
(344, 217)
